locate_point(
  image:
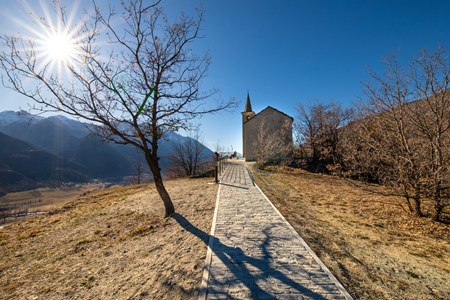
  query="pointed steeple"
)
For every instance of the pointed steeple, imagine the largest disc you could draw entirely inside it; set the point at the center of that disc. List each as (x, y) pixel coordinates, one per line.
(248, 104)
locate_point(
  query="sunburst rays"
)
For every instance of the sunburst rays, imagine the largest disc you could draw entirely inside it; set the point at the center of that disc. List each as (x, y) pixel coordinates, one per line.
(55, 37)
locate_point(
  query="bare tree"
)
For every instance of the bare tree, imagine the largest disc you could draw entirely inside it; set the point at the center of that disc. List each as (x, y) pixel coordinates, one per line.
(402, 136)
(397, 148)
(139, 172)
(317, 130)
(431, 117)
(134, 74)
(274, 146)
(188, 156)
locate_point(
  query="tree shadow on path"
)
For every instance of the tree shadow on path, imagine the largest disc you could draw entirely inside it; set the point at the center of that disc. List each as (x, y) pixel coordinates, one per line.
(247, 270)
(235, 186)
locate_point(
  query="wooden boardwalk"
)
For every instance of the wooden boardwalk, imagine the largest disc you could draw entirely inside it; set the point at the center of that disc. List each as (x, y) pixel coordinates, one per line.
(254, 253)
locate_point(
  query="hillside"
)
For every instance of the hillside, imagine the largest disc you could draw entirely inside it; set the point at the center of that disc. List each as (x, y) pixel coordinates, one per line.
(56, 134)
(114, 243)
(363, 234)
(111, 244)
(25, 165)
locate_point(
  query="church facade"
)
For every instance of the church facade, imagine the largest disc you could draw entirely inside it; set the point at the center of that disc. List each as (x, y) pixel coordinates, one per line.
(268, 126)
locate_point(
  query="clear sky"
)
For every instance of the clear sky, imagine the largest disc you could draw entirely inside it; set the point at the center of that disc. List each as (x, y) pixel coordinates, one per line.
(290, 52)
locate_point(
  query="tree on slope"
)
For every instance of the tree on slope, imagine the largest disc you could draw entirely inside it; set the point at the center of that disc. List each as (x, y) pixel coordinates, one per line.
(188, 156)
(318, 131)
(402, 138)
(131, 71)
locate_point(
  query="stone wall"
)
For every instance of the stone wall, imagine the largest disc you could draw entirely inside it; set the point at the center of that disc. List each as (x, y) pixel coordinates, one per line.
(271, 123)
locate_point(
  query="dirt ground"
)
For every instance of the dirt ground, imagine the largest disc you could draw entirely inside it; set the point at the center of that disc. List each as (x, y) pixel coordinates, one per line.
(366, 238)
(111, 244)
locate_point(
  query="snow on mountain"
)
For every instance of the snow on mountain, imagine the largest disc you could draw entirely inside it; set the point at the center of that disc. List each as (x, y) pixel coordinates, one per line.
(62, 120)
(75, 127)
(9, 117)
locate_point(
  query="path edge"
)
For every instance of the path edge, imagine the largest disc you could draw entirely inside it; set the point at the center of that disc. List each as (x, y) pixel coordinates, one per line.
(316, 258)
(205, 277)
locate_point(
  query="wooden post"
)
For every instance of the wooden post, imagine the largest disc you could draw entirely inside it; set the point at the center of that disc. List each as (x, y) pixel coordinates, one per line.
(216, 170)
(216, 167)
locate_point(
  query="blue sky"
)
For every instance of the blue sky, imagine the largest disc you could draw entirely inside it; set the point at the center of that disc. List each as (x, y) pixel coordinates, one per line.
(290, 52)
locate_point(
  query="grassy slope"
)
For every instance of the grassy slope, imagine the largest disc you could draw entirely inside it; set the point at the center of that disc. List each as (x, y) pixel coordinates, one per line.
(367, 240)
(111, 244)
(115, 244)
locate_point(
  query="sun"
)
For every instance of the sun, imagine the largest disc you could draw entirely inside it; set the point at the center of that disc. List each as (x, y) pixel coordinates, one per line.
(56, 36)
(59, 47)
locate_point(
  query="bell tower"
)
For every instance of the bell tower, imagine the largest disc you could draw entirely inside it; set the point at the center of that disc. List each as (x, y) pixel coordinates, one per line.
(247, 114)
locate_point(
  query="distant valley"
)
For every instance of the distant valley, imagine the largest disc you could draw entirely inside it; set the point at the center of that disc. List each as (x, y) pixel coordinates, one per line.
(37, 151)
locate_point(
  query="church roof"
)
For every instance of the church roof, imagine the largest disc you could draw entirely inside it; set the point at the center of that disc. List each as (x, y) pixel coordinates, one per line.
(269, 108)
(279, 111)
(248, 104)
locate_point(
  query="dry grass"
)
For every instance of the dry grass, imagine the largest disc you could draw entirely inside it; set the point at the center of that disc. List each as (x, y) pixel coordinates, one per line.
(366, 238)
(110, 244)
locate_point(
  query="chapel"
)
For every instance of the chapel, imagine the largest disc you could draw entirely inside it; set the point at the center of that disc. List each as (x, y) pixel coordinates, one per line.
(268, 126)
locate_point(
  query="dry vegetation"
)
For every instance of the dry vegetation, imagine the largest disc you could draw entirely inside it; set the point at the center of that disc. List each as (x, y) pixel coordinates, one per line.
(398, 135)
(111, 244)
(374, 247)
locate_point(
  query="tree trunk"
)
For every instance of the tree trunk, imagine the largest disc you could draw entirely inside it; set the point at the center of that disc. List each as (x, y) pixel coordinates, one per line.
(168, 205)
(408, 202)
(165, 197)
(417, 201)
(437, 212)
(417, 207)
(438, 205)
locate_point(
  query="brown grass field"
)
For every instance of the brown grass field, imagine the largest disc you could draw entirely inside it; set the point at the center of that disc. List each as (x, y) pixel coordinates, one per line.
(111, 244)
(366, 238)
(115, 244)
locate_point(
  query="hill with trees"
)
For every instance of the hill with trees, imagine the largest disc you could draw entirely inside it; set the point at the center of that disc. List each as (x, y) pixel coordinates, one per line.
(399, 136)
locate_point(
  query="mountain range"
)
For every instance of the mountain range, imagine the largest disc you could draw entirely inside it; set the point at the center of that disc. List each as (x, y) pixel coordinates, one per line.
(38, 151)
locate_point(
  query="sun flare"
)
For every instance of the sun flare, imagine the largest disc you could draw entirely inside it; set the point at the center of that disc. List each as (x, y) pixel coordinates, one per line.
(59, 47)
(56, 36)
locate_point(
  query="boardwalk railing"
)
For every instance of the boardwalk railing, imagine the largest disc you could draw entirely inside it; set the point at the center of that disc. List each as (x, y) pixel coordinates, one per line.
(221, 162)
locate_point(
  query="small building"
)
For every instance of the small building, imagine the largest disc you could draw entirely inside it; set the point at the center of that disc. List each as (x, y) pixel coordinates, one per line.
(268, 130)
